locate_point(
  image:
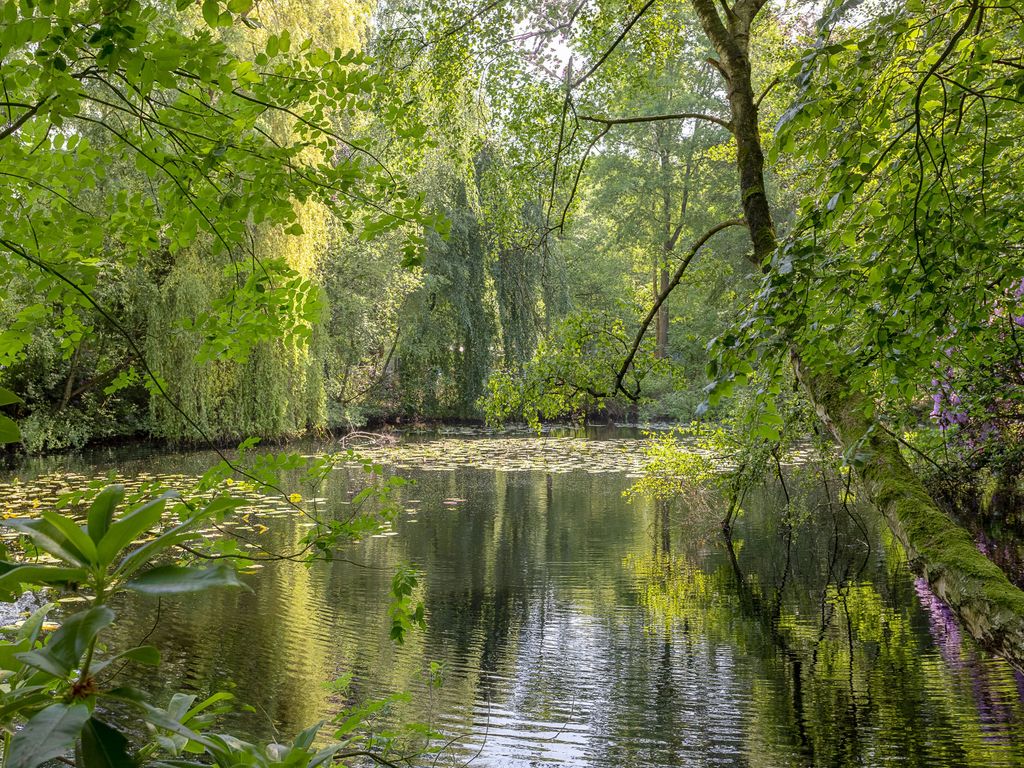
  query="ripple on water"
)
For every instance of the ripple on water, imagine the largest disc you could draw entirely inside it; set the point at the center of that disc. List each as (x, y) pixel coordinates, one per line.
(573, 628)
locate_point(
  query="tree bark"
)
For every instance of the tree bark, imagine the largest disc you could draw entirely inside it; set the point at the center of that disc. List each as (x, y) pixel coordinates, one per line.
(661, 267)
(661, 339)
(989, 606)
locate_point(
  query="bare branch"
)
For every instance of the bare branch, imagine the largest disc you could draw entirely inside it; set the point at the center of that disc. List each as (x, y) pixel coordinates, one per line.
(656, 118)
(768, 89)
(561, 138)
(619, 39)
(662, 297)
(579, 174)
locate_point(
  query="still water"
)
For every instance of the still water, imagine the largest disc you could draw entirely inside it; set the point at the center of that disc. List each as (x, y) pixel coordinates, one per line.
(569, 625)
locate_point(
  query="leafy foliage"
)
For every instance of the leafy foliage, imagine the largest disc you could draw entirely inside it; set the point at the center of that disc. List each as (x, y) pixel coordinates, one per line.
(902, 272)
(55, 686)
(140, 143)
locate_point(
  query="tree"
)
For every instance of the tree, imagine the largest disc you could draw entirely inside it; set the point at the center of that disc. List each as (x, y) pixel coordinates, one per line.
(991, 608)
(139, 146)
(136, 138)
(903, 169)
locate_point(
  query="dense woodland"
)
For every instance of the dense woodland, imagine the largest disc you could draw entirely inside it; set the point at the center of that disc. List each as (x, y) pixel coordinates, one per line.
(387, 334)
(777, 223)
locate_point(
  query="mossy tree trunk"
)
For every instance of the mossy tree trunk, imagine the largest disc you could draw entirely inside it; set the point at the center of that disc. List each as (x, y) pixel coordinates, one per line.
(989, 606)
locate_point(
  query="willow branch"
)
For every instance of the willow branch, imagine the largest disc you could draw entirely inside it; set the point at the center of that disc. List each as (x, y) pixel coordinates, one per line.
(140, 357)
(383, 372)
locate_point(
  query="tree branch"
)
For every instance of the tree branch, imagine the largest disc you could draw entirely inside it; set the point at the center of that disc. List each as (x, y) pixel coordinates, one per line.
(577, 177)
(676, 277)
(768, 89)
(22, 119)
(656, 118)
(619, 39)
(718, 33)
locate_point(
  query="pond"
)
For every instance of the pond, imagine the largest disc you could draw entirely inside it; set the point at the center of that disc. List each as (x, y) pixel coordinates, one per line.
(569, 625)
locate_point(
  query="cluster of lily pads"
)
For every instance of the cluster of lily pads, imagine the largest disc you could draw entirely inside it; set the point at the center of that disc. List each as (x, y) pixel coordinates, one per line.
(515, 454)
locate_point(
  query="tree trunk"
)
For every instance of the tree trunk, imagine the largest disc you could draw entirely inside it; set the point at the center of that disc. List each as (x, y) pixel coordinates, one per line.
(69, 384)
(661, 276)
(990, 607)
(671, 233)
(661, 338)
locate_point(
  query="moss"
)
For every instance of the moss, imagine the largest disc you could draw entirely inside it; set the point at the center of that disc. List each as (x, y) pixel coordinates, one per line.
(942, 545)
(990, 607)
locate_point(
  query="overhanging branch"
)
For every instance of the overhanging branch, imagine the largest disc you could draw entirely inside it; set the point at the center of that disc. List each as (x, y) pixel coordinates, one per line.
(662, 297)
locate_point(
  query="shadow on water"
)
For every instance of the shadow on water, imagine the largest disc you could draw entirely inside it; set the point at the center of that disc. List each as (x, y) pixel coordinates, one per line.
(574, 627)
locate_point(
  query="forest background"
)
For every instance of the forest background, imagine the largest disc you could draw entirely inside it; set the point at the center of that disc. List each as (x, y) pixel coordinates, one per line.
(379, 335)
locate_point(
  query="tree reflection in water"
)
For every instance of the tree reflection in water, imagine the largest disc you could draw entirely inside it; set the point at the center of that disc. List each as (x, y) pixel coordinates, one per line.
(840, 673)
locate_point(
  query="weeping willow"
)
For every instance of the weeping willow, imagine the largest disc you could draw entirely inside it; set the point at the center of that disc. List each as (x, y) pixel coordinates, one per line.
(446, 355)
(529, 285)
(280, 389)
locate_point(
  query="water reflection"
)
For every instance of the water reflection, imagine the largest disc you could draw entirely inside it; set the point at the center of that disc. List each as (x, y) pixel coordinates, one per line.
(576, 628)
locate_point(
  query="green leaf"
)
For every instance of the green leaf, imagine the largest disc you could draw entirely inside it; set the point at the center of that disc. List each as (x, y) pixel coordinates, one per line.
(144, 654)
(162, 719)
(34, 623)
(177, 579)
(102, 511)
(124, 531)
(41, 574)
(25, 700)
(48, 735)
(180, 533)
(211, 12)
(178, 706)
(73, 533)
(324, 755)
(220, 506)
(9, 398)
(9, 432)
(49, 539)
(64, 651)
(127, 694)
(149, 551)
(9, 660)
(305, 739)
(215, 700)
(104, 746)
